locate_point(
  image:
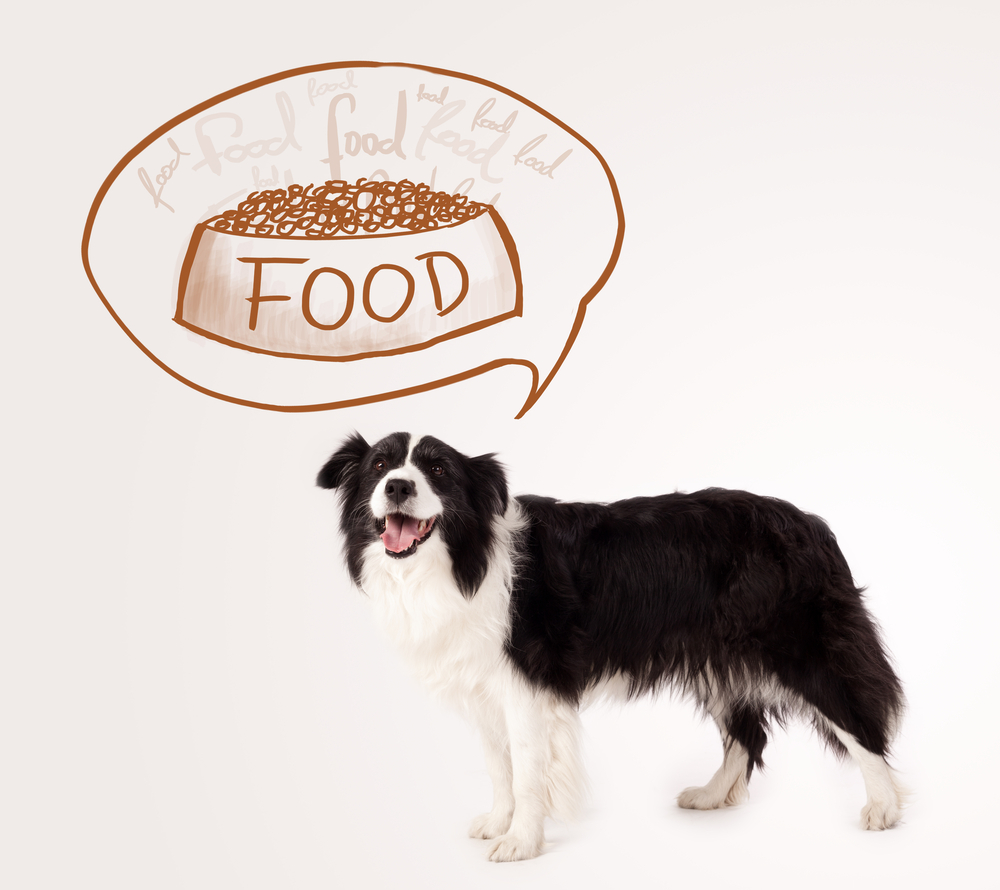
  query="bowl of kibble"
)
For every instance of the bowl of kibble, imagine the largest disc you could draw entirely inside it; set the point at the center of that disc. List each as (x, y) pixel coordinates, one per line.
(341, 271)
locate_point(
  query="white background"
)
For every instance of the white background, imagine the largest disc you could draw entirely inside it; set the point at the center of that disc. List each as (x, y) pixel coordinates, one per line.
(805, 306)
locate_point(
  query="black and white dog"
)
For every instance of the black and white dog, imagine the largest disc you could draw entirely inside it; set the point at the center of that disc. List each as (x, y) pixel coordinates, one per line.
(520, 610)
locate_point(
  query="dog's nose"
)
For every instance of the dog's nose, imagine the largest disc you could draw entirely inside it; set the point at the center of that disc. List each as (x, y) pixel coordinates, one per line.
(399, 490)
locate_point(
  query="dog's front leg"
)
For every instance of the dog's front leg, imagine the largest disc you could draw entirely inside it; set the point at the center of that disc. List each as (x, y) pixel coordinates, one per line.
(526, 728)
(496, 749)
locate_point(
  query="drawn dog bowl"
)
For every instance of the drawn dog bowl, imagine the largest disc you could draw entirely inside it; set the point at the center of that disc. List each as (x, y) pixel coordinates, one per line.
(337, 272)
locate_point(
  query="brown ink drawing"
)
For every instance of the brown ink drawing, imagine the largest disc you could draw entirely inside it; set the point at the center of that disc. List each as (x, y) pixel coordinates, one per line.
(430, 224)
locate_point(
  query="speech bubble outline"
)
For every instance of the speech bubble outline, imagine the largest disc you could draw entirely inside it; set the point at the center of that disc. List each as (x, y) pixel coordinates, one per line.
(538, 385)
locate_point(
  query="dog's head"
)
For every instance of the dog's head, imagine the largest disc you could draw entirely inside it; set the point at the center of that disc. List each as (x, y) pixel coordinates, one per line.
(405, 490)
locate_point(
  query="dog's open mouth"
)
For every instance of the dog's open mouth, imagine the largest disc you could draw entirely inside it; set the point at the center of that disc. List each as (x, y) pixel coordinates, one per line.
(403, 534)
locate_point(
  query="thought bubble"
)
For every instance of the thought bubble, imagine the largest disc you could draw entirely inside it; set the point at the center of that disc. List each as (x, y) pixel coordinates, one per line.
(354, 232)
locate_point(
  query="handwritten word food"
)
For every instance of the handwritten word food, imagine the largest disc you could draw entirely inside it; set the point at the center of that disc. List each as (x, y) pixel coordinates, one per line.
(315, 90)
(163, 177)
(237, 152)
(537, 164)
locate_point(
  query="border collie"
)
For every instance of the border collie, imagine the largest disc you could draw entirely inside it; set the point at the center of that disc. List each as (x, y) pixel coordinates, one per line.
(522, 610)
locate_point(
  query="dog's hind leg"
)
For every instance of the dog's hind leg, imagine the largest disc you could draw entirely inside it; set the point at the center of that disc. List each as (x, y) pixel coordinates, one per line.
(859, 701)
(884, 806)
(743, 739)
(727, 787)
(861, 719)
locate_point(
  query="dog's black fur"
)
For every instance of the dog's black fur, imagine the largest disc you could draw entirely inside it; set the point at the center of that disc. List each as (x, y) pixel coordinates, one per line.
(665, 588)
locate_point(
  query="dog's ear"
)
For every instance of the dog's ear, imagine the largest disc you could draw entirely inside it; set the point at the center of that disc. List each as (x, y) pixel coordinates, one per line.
(343, 463)
(489, 482)
(470, 541)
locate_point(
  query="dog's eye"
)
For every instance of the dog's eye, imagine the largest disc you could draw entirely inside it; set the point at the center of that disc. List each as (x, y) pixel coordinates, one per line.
(437, 470)
(379, 465)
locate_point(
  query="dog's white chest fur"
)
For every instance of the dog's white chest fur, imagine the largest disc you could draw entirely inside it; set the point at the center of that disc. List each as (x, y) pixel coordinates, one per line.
(454, 644)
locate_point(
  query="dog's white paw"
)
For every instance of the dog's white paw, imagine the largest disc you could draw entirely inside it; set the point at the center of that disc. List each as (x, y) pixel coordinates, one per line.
(700, 798)
(738, 793)
(490, 825)
(511, 847)
(877, 815)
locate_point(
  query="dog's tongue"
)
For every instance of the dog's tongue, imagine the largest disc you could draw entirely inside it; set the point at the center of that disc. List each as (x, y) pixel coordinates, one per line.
(400, 532)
